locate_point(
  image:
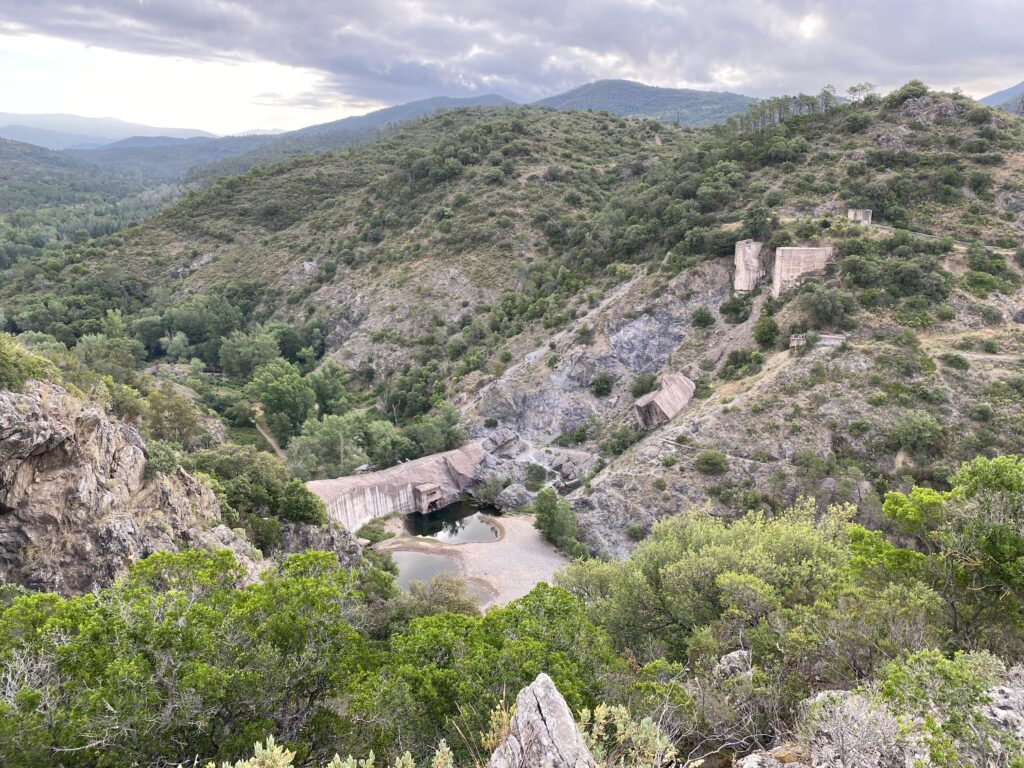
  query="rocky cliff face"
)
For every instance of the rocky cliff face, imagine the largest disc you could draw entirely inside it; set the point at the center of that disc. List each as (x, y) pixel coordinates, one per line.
(76, 505)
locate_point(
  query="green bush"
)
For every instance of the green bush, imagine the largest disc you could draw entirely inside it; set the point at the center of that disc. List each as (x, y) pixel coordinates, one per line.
(953, 360)
(601, 385)
(711, 462)
(702, 318)
(536, 476)
(644, 383)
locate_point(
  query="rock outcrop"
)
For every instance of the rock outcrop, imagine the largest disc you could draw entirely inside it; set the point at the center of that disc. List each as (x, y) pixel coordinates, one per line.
(76, 504)
(542, 733)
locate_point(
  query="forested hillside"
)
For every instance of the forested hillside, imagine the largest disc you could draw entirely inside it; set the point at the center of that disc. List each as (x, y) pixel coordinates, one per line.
(680, 106)
(842, 518)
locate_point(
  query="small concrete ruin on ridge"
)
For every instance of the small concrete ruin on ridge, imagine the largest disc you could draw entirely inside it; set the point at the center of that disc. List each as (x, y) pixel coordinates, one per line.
(822, 340)
(860, 215)
(419, 486)
(792, 265)
(664, 403)
(749, 267)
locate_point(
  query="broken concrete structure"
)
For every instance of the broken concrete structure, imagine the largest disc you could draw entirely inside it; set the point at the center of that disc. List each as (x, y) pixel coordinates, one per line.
(792, 265)
(418, 486)
(663, 404)
(860, 215)
(749, 267)
(822, 340)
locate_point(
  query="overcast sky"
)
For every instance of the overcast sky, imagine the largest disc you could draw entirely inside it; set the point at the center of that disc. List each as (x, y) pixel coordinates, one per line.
(232, 65)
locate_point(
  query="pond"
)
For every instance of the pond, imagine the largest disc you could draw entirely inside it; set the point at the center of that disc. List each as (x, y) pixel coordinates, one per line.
(423, 566)
(459, 523)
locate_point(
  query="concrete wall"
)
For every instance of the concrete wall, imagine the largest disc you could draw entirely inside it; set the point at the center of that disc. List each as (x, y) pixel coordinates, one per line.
(749, 268)
(354, 501)
(861, 215)
(792, 265)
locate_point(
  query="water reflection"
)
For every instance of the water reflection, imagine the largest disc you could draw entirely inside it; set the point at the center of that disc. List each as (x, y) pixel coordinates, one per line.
(459, 523)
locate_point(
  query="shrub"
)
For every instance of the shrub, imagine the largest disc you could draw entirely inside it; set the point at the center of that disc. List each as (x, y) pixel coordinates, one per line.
(702, 318)
(490, 422)
(766, 331)
(601, 385)
(741, 363)
(736, 309)
(953, 360)
(712, 463)
(644, 383)
(981, 412)
(18, 365)
(635, 532)
(300, 505)
(669, 460)
(917, 432)
(536, 475)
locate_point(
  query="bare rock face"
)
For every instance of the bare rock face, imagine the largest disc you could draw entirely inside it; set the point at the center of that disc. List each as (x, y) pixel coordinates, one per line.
(300, 537)
(542, 733)
(515, 496)
(76, 507)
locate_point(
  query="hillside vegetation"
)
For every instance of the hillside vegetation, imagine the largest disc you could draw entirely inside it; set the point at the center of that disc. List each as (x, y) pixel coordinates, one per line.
(681, 106)
(525, 274)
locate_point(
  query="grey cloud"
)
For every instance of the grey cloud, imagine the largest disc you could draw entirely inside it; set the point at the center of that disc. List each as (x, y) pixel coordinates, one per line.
(396, 50)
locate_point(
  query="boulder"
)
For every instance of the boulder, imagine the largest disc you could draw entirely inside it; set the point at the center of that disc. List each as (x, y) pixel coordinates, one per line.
(514, 496)
(1005, 711)
(735, 664)
(542, 733)
(332, 537)
(759, 760)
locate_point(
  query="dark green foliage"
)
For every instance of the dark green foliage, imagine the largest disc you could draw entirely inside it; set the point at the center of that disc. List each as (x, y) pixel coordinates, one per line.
(557, 521)
(644, 383)
(918, 433)
(601, 385)
(711, 462)
(741, 363)
(736, 309)
(827, 307)
(702, 318)
(297, 504)
(953, 360)
(536, 476)
(766, 331)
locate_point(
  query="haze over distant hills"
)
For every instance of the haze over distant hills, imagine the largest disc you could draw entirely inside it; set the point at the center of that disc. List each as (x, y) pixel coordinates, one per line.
(203, 159)
(684, 106)
(62, 131)
(1007, 99)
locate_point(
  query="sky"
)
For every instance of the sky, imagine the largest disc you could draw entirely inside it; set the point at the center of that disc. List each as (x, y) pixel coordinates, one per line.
(227, 66)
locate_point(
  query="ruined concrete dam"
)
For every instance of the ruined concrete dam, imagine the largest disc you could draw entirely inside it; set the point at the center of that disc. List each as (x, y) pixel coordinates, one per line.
(418, 486)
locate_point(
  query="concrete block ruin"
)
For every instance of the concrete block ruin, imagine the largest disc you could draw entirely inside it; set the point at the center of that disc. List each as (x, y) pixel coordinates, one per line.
(749, 267)
(823, 340)
(792, 265)
(663, 404)
(415, 487)
(860, 215)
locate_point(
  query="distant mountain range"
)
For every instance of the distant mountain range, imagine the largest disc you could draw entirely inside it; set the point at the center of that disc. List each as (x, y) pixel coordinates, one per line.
(672, 105)
(60, 131)
(167, 157)
(1008, 98)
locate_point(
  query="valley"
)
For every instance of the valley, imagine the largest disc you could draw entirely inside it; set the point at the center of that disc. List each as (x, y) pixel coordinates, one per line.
(733, 457)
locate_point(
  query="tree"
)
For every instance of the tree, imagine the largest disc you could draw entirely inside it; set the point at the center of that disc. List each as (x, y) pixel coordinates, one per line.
(766, 331)
(601, 385)
(860, 91)
(172, 416)
(974, 545)
(329, 383)
(300, 505)
(556, 520)
(242, 353)
(286, 397)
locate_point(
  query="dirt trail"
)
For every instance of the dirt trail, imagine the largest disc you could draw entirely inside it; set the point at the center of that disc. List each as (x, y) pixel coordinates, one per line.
(270, 440)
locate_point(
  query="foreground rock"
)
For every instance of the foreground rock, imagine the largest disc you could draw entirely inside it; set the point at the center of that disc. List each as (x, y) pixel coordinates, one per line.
(542, 733)
(76, 505)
